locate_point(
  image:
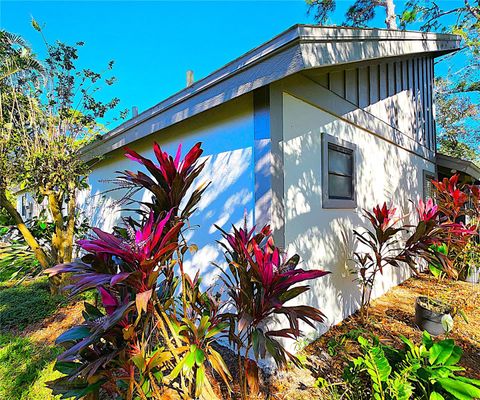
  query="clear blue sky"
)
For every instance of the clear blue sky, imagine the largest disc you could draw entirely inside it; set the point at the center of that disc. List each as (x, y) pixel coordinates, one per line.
(154, 43)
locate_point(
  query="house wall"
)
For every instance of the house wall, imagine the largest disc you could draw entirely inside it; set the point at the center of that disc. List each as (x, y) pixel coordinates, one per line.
(227, 134)
(389, 167)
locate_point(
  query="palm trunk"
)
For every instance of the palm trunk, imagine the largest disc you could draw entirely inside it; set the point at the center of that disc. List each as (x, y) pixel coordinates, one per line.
(391, 19)
(58, 238)
(27, 235)
(70, 228)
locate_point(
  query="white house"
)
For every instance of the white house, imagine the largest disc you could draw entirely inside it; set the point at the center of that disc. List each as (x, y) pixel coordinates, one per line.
(302, 132)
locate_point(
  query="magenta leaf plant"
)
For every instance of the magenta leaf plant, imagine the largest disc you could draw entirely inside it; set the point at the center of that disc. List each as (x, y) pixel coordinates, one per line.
(139, 343)
(260, 280)
(384, 245)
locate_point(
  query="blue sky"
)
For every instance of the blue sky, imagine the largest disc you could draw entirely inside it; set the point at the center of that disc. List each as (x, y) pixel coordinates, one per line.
(154, 43)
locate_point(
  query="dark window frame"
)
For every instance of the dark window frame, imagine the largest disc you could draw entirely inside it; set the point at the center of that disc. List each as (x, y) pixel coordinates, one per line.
(329, 142)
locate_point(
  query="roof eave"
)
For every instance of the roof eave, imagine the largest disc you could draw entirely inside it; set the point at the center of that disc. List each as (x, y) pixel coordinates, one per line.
(458, 164)
(299, 48)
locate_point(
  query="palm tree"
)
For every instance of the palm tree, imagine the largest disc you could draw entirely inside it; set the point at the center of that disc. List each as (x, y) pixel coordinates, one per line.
(19, 68)
(16, 57)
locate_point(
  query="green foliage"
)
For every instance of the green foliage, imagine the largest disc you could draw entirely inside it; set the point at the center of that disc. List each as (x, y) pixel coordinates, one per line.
(17, 261)
(422, 372)
(49, 110)
(24, 367)
(434, 267)
(27, 303)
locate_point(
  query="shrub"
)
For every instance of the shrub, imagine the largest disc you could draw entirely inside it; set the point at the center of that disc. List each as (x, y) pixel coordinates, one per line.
(151, 339)
(457, 201)
(259, 282)
(425, 372)
(423, 240)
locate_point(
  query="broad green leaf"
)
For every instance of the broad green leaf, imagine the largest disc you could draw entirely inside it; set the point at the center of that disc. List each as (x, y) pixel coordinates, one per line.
(139, 361)
(436, 396)
(475, 382)
(75, 333)
(427, 340)
(217, 329)
(177, 369)
(292, 293)
(455, 356)
(190, 360)
(199, 380)
(441, 351)
(66, 367)
(460, 390)
(199, 357)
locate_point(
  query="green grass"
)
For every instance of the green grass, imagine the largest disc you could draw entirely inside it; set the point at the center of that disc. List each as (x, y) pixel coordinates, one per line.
(24, 365)
(24, 369)
(27, 303)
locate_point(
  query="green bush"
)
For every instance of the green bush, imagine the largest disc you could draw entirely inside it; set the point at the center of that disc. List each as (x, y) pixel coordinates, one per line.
(27, 303)
(24, 367)
(427, 371)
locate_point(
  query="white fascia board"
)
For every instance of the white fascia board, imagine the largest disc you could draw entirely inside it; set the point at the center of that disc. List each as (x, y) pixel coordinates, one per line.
(299, 48)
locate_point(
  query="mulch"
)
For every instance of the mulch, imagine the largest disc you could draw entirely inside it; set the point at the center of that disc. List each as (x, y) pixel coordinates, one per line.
(393, 314)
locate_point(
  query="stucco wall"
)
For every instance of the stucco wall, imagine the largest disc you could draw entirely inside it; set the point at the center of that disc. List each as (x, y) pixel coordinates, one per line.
(323, 237)
(227, 134)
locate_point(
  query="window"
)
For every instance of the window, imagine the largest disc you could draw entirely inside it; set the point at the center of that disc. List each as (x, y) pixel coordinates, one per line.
(428, 191)
(23, 205)
(338, 173)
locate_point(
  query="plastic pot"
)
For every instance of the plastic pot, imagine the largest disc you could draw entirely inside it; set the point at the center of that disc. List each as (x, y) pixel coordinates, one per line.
(429, 313)
(473, 275)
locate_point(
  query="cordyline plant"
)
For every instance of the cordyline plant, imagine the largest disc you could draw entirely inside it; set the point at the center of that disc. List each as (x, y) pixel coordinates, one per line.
(260, 280)
(147, 340)
(455, 202)
(386, 247)
(382, 243)
(141, 343)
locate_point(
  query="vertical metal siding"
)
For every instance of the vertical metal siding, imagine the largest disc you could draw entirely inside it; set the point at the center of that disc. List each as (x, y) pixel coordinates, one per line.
(363, 87)
(398, 92)
(351, 86)
(374, 84)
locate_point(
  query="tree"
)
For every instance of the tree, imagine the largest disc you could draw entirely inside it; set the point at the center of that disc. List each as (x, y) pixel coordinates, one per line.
(359, 13)
(19, 68)
(457, 106)
(48, 114)
(457, 117)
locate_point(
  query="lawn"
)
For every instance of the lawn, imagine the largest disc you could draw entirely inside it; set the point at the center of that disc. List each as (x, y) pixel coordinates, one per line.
(30, 320)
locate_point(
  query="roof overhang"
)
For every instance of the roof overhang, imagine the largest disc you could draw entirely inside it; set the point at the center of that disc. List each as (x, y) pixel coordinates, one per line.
(454, 165)
(300, 48)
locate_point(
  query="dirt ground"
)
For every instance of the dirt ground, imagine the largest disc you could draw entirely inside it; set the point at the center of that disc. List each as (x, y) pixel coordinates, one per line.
(46, 331)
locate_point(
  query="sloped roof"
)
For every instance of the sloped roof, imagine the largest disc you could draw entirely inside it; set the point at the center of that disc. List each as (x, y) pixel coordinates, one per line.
(459, 165)
(302, 47)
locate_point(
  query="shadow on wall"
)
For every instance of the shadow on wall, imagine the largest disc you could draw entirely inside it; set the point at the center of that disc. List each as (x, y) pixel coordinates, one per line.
(323, 237)
(228, 199)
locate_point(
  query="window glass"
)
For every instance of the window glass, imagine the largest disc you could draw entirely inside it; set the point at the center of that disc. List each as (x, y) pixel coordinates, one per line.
(340, 187)
(340, 172)
(339, 161)
(428, 188)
